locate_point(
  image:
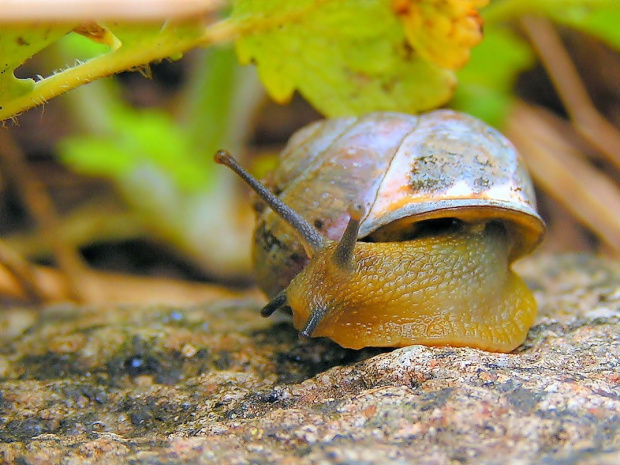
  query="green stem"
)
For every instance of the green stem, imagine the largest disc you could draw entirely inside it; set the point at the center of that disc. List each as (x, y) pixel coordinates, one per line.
(506, 9)
(220, 102)
(208, 99)
(171, 41)
(218, 108)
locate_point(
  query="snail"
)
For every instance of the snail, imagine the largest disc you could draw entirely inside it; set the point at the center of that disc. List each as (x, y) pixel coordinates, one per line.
(390, 229)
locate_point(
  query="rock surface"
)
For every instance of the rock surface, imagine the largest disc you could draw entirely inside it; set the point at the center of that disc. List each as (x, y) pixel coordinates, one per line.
(218, 384)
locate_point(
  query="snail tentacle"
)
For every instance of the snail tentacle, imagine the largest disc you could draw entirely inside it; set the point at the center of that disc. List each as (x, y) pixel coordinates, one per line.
(316, 316)
(312, 239)
(274, 304)
(343, 255)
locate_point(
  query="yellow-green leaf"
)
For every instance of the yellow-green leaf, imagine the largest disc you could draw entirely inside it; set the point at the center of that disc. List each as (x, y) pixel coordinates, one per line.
(344, 56)
(131, 46)
(600, 19)
(17, 44)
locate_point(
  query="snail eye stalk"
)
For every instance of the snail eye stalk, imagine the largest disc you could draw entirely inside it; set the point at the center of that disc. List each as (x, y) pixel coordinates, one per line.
(343, 255)
(312, 239)
(274, 304)
(315, 318)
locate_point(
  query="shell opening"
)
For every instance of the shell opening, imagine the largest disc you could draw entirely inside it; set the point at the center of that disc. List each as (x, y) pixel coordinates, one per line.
(526, 230)
(415, 230)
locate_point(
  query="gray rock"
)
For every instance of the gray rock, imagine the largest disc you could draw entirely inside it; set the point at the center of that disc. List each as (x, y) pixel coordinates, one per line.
(218, 384)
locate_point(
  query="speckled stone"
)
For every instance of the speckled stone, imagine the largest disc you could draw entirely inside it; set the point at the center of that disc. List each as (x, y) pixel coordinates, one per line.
(216, 383)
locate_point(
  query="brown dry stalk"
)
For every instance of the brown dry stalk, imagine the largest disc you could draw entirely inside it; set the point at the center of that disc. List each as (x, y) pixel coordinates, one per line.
(38, 203)
(588, 121)
(114, 288)
(22, 271)
(591, 196)
(89, 223)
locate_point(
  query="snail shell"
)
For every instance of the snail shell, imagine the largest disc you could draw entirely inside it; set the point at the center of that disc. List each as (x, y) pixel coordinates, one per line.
(405, 170)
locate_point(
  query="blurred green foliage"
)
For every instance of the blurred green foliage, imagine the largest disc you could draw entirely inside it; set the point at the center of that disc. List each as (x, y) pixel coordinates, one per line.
(486, 83)
(343, 56)
(155, 139)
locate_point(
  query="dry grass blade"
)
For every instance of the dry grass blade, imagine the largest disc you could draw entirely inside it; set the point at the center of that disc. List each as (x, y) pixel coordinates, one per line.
(91, 223)
(562, 172)
(36, 200)
(22, 271)
(114, 288)
(560, 68)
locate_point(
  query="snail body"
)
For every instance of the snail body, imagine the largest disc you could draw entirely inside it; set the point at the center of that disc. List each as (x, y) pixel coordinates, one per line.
(391, 230)
(434, 291)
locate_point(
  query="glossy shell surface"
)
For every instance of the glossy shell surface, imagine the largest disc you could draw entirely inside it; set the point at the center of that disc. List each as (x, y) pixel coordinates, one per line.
(404, 169)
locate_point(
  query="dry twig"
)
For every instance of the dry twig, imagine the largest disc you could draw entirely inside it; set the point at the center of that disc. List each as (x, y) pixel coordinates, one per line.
(591, 196)
(37, 202)
(115, 288)
(589, 122)
(94, 222)
(22, 271)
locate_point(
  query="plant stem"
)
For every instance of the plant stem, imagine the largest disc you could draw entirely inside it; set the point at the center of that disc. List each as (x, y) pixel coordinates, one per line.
(172, 40)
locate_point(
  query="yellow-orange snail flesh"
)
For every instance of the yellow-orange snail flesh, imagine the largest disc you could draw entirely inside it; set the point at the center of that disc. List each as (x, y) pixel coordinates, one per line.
(454, 289)
(434, 211)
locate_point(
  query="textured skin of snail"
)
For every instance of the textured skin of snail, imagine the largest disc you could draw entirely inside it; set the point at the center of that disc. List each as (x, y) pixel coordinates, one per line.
(454, 289)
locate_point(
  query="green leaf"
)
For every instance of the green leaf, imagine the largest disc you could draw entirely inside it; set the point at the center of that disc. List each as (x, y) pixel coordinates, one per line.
(138, 139)
(17, 44)
(81, 47)
(131, 46)
(600, 19)
(486, 82)
(344, 56)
